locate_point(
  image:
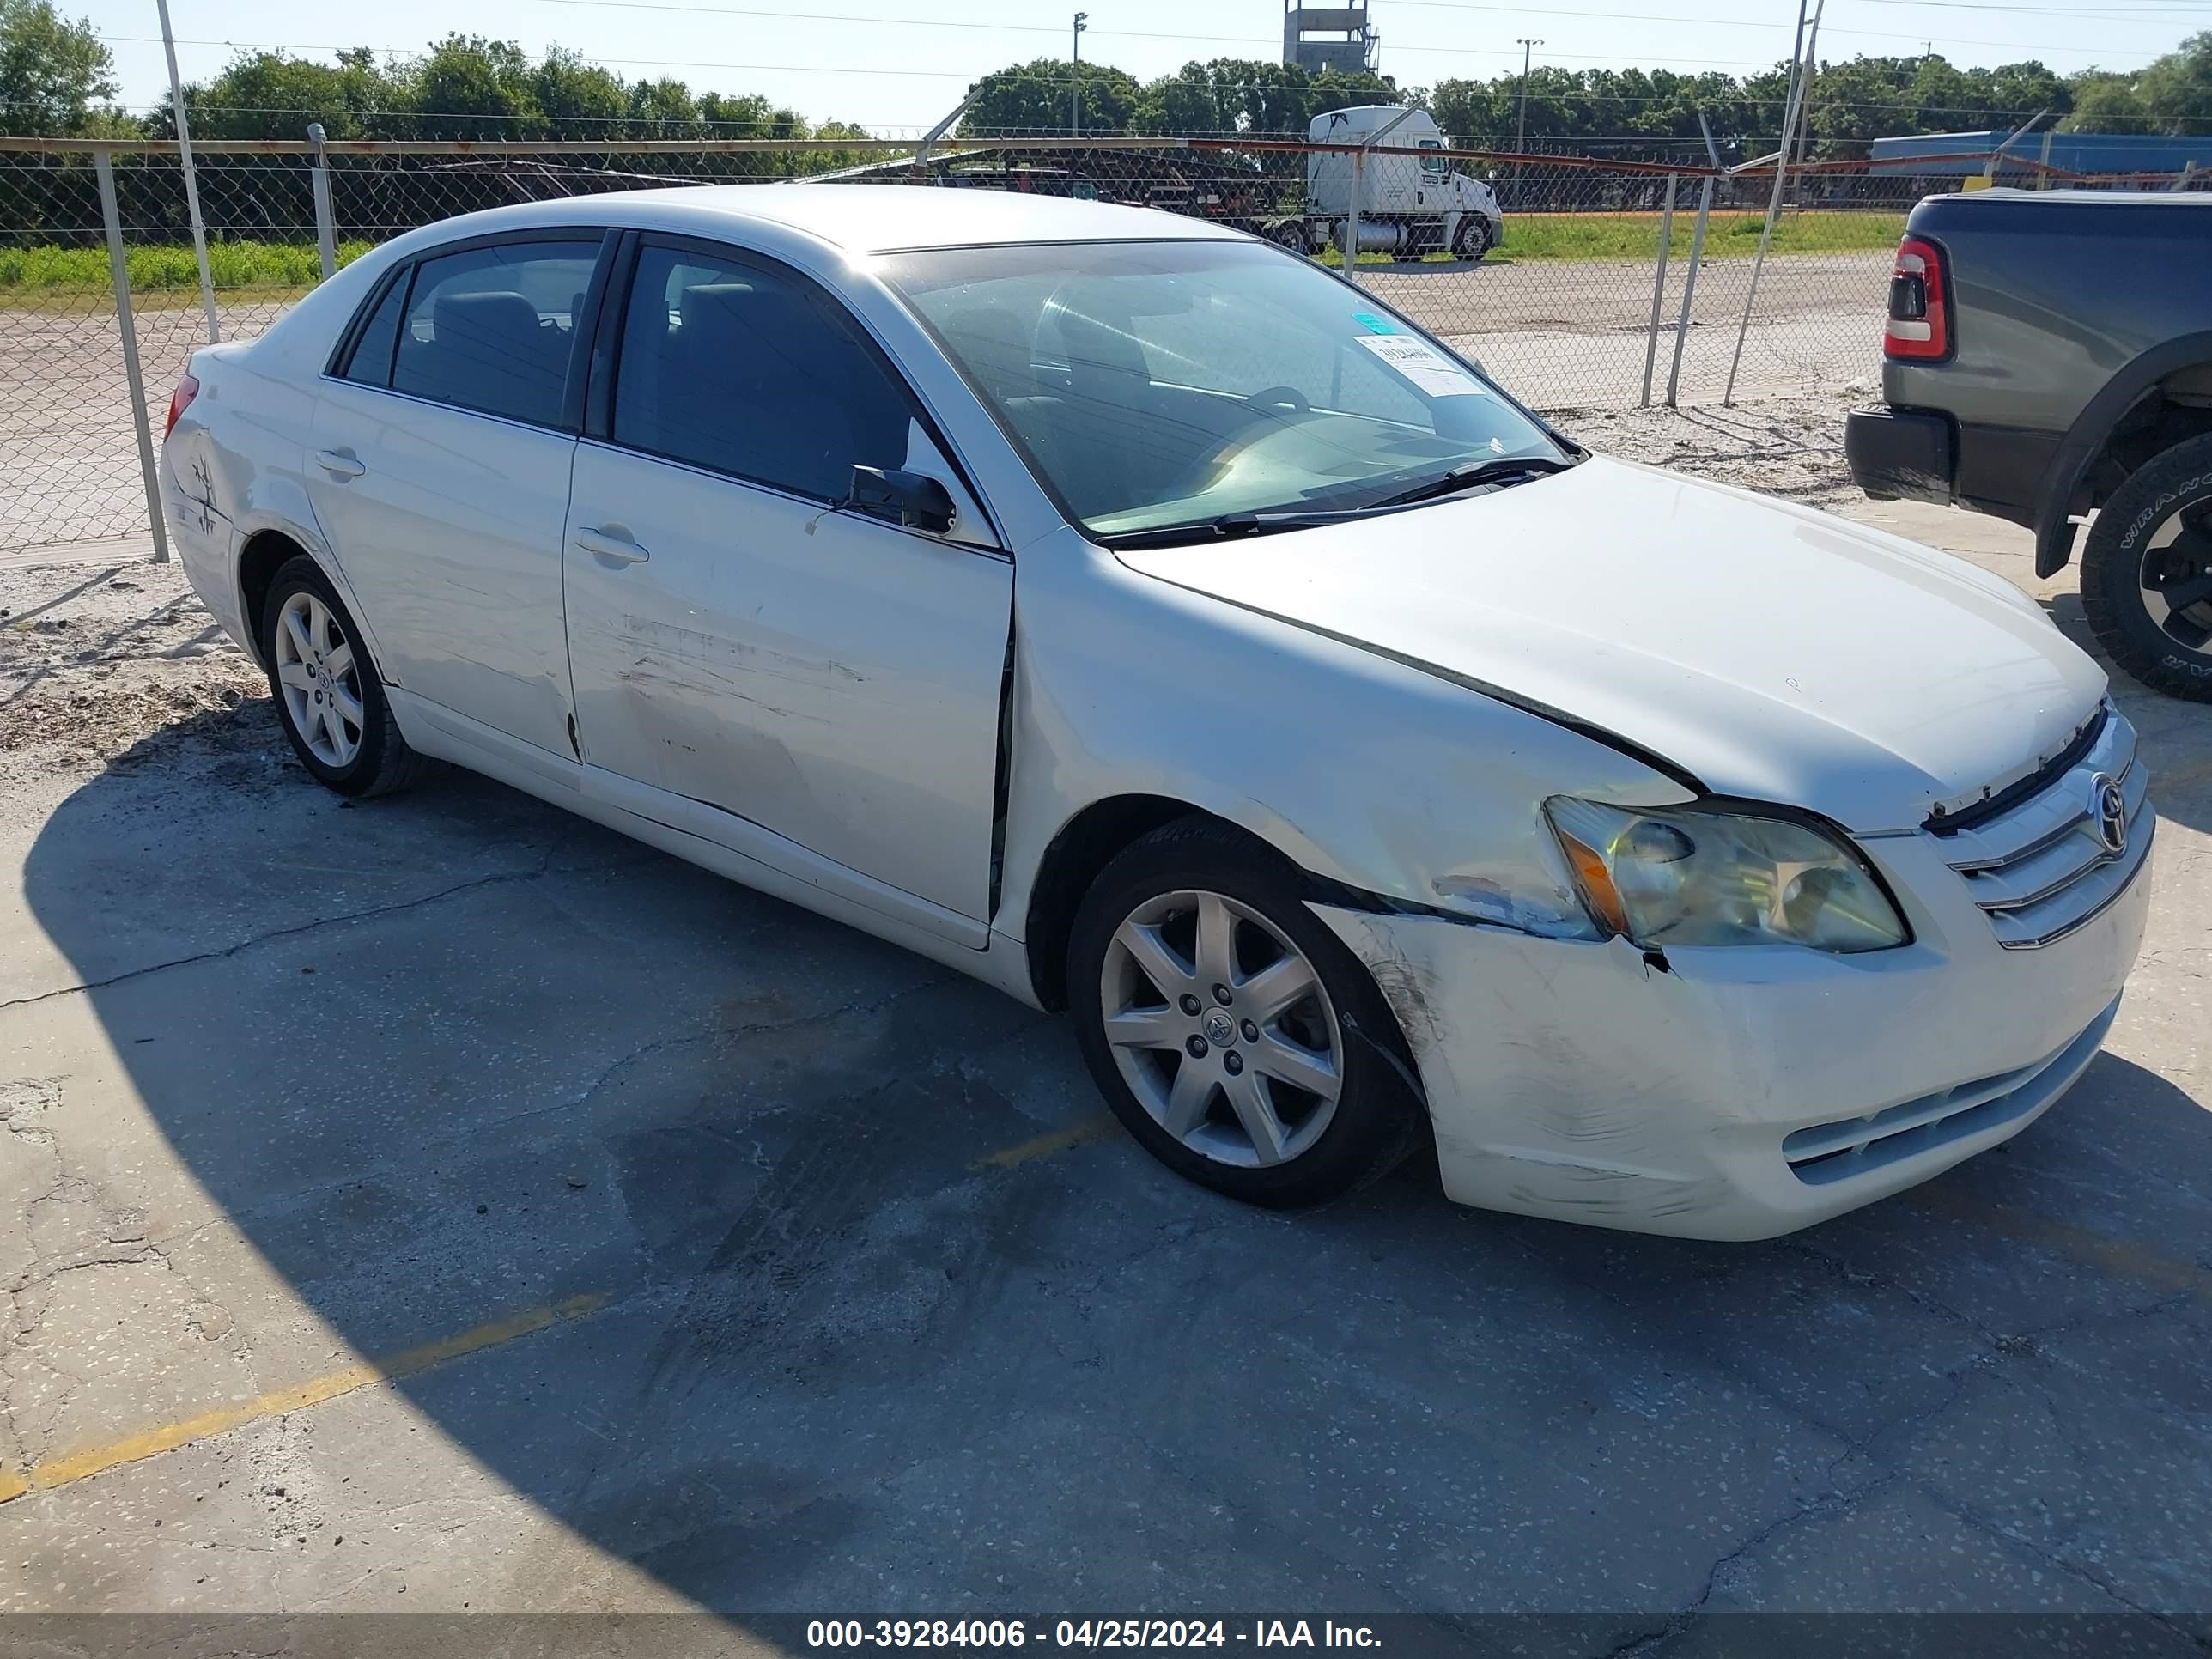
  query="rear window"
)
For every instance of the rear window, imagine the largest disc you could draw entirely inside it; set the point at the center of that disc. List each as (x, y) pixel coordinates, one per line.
(371, 363)
(490, 329)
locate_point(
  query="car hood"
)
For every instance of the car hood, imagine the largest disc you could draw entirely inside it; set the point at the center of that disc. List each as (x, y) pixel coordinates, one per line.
(1773, 651)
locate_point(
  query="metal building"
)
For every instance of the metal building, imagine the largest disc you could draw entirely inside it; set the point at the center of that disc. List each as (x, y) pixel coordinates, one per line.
(1326, 37)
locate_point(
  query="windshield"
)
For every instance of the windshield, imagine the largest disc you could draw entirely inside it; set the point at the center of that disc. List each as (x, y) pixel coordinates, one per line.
(1160, 384)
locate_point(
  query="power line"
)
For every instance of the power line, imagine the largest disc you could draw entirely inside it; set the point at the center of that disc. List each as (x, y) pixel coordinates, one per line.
(1396, 45)
(1705, 22)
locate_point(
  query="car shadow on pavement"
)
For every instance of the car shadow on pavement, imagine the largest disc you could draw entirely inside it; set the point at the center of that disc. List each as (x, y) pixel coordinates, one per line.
(854, 1308)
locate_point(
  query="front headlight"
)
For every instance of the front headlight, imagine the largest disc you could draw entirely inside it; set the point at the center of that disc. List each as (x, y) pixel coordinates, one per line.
(1681, 876)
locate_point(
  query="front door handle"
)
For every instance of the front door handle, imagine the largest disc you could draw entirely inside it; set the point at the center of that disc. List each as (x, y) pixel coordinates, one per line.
(613, 544)
(341, 464)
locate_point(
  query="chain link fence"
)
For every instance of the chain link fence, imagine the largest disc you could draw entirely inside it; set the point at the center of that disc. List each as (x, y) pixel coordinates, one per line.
(1547, 269)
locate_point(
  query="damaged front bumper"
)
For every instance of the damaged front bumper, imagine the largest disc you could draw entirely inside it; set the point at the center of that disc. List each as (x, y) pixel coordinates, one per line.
(1735, 1093)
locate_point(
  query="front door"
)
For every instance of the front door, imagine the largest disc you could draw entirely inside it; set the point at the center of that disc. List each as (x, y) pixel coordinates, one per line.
(738, 640)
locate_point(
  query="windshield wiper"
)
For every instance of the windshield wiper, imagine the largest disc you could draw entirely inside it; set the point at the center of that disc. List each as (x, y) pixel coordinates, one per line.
(1498, 469)
(1230, 526)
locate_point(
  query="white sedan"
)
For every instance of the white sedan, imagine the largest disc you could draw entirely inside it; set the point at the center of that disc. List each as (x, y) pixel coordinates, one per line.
(1144, 621)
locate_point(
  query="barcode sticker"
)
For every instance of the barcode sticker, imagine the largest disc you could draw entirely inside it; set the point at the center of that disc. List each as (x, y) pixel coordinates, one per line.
(1428, 368)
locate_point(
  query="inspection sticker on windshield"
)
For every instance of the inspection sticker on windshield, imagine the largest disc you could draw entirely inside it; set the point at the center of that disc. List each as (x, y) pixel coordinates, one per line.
(1428, 368)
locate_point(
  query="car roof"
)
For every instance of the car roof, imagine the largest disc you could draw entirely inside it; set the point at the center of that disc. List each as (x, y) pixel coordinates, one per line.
(864, 218)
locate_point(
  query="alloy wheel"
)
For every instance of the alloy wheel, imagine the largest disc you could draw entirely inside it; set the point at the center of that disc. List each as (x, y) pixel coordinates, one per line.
(1222, 1029)
(2177, 577)
(321, 679)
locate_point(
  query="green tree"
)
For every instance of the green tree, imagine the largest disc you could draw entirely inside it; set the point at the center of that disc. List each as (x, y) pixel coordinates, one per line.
(2177, 90)
(268, 95)
(1181, 102)
(2106, 103)
(1032, 99)
(467, 87)
(52, 70)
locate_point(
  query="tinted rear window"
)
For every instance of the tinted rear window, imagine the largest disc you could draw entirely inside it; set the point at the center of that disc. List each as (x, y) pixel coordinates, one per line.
(490, 329)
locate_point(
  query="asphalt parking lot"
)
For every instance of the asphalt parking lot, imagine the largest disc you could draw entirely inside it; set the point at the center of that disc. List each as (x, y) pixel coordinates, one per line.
(442, 1205)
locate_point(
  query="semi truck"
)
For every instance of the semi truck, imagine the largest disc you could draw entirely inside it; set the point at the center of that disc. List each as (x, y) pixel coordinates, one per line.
(1409, 205)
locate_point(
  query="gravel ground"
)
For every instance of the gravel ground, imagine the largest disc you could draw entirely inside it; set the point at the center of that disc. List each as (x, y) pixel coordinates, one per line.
(94, 658)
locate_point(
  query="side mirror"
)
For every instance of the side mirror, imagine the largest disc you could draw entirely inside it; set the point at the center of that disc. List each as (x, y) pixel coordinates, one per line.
(912, 498)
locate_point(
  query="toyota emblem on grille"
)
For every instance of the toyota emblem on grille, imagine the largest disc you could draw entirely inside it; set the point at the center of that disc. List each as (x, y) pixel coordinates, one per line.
(2108, 807)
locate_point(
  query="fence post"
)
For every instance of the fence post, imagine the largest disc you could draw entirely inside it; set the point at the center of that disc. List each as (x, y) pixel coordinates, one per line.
(327, 233)
(1690, 287)
(1352, 223)
(1358, 184)
(119, 272)
(1658, 291)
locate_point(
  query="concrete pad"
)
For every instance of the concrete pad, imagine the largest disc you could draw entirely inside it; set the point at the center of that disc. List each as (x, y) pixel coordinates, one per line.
(738, 1262)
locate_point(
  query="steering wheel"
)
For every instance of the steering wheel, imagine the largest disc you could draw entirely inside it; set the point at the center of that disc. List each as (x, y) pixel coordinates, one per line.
(1275, 397)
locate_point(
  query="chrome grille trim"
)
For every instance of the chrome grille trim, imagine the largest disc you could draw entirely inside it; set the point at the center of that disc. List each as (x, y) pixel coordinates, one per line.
(2039, 870)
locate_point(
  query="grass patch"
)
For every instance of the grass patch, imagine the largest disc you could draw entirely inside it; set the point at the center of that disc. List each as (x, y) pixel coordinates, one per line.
(1728, 235)
(39, 270)
(1568, 238)
(28, 275)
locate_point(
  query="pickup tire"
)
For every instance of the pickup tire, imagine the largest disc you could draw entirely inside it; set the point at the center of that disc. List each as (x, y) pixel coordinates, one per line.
(2146, 572)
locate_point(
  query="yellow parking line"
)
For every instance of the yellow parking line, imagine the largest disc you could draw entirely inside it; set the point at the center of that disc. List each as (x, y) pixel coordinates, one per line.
(82, 1465)
(1075, 1135)
(2080, 1244)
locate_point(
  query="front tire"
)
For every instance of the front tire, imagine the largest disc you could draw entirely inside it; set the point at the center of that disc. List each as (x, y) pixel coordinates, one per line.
(2146, 572)
(1473, 239)
(1234, 1034)
(329, 698)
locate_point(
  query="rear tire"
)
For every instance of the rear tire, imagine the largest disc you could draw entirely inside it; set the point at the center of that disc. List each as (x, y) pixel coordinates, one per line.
(1235, 1036)
(329, 699)
(2146, 572)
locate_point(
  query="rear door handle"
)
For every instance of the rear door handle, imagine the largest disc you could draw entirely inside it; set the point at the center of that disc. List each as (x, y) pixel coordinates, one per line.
(614, 546)
(340, 463)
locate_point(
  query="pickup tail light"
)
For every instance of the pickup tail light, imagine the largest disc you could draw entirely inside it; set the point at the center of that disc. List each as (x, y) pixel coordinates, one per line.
(1919, 327)
(181, 400)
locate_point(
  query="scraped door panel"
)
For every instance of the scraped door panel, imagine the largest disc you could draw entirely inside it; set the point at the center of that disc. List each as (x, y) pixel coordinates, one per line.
(830, 679)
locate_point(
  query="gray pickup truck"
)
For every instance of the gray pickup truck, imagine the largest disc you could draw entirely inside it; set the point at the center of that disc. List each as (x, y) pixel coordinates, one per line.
(2049, 357)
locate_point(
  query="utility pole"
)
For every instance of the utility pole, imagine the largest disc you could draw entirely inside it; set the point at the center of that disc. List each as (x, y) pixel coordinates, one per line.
(1805, 93)
(1520, 131)
(192, 176)
(1528, 44)
(1075, 76)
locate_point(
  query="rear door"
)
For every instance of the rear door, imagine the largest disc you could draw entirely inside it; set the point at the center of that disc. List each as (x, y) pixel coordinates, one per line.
(739, 639)
(439, 472)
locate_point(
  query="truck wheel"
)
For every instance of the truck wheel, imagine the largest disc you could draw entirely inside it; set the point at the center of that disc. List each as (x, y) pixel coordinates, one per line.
(1471, 240)
(2146, 572)
(1291, 236)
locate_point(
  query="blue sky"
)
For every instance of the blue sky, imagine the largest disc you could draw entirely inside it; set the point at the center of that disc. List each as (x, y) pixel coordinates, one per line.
(896, 64)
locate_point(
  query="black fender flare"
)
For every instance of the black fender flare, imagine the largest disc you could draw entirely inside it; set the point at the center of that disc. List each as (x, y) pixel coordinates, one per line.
(2086, 438)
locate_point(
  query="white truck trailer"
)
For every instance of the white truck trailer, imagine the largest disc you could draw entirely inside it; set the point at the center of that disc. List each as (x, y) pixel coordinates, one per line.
(1409, 205)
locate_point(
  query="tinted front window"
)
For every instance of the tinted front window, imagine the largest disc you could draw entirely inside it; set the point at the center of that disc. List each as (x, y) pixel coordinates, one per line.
(490, 329)
(1159, 384)
(371, 363)
(732, 366)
